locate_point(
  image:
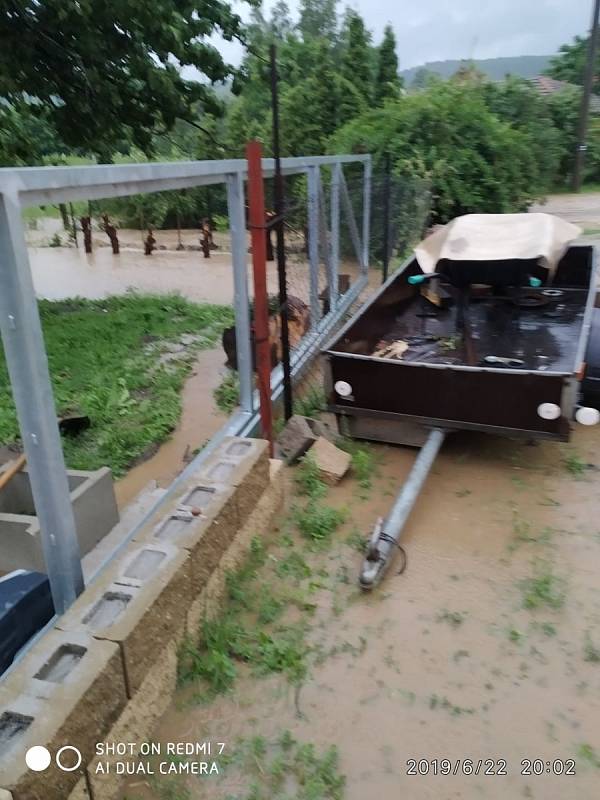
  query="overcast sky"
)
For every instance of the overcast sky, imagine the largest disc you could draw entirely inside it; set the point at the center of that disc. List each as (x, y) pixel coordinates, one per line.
(434, 30)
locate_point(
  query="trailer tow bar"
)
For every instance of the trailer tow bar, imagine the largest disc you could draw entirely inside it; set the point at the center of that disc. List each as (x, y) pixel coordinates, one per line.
(386, 534)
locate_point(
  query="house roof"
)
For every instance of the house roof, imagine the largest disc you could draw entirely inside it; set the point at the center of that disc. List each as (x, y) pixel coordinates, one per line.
(546, 85)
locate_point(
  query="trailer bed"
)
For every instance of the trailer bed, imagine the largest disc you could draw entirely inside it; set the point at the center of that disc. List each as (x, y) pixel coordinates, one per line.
(443, 381)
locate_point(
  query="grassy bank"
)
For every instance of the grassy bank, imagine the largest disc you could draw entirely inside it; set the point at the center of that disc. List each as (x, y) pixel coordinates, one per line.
(121, 362)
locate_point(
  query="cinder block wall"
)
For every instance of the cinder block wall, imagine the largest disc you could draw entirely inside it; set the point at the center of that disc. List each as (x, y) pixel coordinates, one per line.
(108, 671)
(94, 508)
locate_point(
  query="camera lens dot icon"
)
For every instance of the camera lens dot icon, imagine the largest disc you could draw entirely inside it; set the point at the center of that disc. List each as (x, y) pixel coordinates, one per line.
(38, 758)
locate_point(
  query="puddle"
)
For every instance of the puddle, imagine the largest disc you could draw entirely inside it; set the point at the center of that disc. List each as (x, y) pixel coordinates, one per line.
(200, 419)
(453, 665)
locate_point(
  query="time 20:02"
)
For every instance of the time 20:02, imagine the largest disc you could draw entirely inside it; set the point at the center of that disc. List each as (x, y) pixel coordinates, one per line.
(536, 766)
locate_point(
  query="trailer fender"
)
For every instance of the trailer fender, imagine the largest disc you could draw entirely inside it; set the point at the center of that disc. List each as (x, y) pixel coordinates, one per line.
(590, 385)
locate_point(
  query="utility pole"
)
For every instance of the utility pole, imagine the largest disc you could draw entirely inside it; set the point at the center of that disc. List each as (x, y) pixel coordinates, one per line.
(585, 101)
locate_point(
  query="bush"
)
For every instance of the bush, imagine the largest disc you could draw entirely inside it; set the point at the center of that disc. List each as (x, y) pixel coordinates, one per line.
(476, 162)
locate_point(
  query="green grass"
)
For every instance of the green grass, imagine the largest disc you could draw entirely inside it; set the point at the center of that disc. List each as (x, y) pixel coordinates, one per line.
(363, 463)
(101, 365)
(574, 465)
(543, 589)
(245, 633)
(287, 768)
(587, 753)
(311, 403)
(453, 618)
(308, 479)
(591, 653)
(317, 522)
(227, 393)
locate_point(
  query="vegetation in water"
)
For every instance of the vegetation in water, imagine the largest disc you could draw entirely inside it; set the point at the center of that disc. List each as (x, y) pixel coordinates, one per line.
(105, 362)
(227, 393)
(543, 589)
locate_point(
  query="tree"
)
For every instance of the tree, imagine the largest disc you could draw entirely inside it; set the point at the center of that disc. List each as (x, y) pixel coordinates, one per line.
(109, 72)
(569, 64)
(318, 19)
(474, 161)
(356, 67)
(388, 82)
(423, 77)
(280, 23)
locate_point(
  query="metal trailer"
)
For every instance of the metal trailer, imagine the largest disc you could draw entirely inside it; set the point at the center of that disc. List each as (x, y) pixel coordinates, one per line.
(534, 358)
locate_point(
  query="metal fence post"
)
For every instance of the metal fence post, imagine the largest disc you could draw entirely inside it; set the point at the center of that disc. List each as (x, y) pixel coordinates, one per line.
(32, 392)
(241, 303)
(335, 235)
(313, 244)
(351, 220)
(366, 228)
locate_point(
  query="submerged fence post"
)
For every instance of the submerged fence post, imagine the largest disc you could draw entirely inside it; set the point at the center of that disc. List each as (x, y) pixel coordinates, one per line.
(313, 244)
(27, 364)
(237, 225)
(256, 219)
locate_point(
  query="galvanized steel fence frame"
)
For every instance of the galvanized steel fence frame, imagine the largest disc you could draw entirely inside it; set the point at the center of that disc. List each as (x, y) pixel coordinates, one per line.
(23, 341)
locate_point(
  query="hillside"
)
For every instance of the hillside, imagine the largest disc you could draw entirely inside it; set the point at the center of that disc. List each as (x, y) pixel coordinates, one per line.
(495, 68)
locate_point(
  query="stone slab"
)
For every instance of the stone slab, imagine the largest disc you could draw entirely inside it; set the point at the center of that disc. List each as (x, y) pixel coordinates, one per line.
(296, 438)
(332, 462)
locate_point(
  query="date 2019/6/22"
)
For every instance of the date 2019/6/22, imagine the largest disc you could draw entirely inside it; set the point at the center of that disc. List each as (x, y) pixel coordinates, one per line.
(488, 766)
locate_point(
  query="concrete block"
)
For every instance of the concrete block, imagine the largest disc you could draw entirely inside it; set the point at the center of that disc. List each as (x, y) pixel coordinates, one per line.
(138, 720)
(332, 462)
(205, 535)
(69, 690)
(260, 523)
(325, 425)
(243, 464)
(94, 508)
(80, 792)
(296, 438)
(140, 611)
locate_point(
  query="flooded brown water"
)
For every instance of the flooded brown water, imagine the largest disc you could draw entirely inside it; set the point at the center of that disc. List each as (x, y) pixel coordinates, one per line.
(453, 666)
(200, 419)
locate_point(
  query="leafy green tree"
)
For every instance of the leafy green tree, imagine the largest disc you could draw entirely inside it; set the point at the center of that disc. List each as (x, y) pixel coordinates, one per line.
(423, 77)
(107, 72)
(388, 83)
(26, 138)
(474, 161)
(280, 22)
(569, 64)
(357, 64)
(516, 102)
(318, 19)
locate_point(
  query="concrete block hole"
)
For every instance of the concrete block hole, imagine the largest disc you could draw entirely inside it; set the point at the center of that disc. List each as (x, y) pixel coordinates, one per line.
(221, 471)
(238, 449)
(144, 564)
(12, 726)
(110, 606)
(200, 497)
(62, 662)
(172, 527)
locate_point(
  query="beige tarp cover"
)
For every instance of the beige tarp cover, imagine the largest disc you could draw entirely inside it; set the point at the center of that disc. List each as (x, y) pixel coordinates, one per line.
(495, 237)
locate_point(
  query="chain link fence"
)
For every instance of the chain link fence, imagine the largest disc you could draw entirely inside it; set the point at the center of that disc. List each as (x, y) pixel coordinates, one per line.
(400, 212)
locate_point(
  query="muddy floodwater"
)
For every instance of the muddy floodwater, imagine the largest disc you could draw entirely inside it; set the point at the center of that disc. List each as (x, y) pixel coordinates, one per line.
(487, 648)
(200, 419)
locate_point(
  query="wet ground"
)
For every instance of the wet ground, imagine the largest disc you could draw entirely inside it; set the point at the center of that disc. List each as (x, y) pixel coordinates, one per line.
(486, 648)
(200, 419)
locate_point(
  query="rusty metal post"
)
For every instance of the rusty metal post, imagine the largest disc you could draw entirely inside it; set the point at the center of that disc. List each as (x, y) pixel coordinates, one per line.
(256, 223)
